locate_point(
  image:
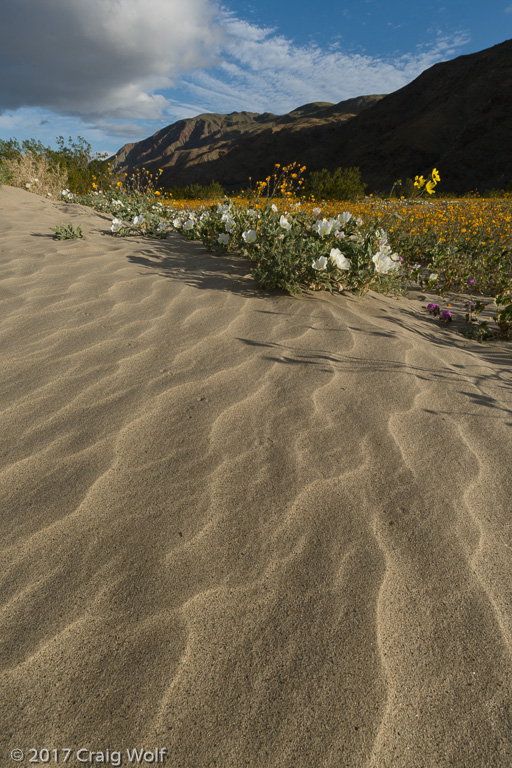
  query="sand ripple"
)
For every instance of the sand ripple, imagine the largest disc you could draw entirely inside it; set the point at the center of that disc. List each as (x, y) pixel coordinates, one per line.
(254, 530)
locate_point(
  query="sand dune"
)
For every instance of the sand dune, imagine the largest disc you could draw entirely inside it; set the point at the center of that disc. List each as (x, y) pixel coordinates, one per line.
(254, 530)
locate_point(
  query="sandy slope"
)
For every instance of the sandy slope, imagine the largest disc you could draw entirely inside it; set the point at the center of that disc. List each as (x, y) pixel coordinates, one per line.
(255, 530)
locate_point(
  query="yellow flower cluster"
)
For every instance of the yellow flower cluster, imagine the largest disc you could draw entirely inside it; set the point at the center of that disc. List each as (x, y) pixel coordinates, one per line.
(420, 182)
(284, 181)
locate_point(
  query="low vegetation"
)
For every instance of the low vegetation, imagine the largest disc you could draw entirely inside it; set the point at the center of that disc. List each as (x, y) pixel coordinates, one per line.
(315, 232)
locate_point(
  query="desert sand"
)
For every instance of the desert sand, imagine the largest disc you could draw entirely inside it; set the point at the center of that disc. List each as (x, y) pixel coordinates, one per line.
(244, 529)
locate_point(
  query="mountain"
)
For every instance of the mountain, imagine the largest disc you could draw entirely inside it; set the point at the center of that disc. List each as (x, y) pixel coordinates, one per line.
(456, 116)
(233, 148)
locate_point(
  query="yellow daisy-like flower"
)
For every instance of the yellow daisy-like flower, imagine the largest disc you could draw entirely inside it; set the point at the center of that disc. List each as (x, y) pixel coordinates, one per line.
(430, 187)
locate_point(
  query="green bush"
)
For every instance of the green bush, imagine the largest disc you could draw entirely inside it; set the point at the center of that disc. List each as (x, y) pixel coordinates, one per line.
(341, 184)
(197, 191)
(44, 170)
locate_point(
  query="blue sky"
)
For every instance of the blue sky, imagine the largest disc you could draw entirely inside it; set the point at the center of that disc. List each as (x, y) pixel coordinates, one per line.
(115, 71)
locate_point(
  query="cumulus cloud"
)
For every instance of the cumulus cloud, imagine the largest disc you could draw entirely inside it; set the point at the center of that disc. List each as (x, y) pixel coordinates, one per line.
(103, 58)
(125, 68)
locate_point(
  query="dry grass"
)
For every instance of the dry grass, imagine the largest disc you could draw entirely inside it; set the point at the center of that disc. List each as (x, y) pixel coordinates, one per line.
(34, 174)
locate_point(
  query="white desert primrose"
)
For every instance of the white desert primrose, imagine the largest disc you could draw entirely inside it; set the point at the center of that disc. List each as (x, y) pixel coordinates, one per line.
(299, 255)
(249, 236)
(117, 224)
(384, 264)
(323, 227)
(320, 263)
(339, 260)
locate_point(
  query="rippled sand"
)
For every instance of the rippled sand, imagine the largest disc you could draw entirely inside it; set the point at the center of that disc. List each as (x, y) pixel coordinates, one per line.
(254, 530)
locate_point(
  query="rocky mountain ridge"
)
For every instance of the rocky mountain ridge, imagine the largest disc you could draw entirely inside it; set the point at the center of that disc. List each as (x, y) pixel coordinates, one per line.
(456, 116)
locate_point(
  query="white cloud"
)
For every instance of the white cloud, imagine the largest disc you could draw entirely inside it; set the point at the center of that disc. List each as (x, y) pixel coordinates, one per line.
(125, 68)
(103, 58)
(125, 130)
(263, 71)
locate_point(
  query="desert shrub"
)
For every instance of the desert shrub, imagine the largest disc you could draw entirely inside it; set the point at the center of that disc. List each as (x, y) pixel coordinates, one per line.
(44, 170)
(341, 184)
(197, 191)
(30, 169)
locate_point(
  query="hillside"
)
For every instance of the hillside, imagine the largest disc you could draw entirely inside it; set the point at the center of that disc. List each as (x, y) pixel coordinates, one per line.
(455, 116)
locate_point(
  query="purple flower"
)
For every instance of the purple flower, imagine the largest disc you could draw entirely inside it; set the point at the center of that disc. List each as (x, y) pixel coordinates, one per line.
(470, 280)
(446, 315)
(434, 308)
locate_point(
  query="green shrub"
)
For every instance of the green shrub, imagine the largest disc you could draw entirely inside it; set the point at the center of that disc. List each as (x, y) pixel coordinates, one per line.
(197, 191)
(44, 170)
(341, 184)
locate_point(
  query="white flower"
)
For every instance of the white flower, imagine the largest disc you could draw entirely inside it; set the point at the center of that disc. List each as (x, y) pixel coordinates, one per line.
(162, 225)
(226, 217)
(252, 212)
(320, 263)
(223, 239)
(228, 226)
(381, 236)
(223, 208)
(137, 220)
(433, 276)
(28, 185)
(383, 263)
(274, 208)
(317, 211)
(339, 259)
(385, 250)
(323, 227)
(284, 223)
(249, 236)
(344, 217)
(117, 224)
(340, 235)
(359, 221)
(176, 223)
(188, 225)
